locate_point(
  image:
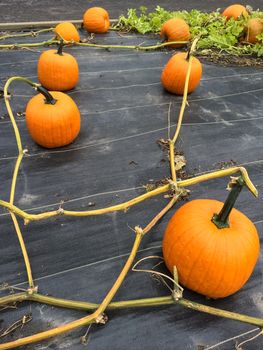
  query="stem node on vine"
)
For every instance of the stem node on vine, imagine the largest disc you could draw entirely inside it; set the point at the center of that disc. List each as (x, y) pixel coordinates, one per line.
(60, 211)
(173, 186)
(139, 230)
(32, 290)
(102, 319)
(177, 295)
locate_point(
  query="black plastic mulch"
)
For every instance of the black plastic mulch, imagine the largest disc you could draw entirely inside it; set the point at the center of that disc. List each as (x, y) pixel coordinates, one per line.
(124, 112)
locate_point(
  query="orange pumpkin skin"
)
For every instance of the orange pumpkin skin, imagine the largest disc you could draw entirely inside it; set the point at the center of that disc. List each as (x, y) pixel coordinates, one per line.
(57, 72)
(96, 20)
(53, 125)
(211, 261)
(175, 29)
(67, 31)
(174, 74)
(235, 11)
(254, 28)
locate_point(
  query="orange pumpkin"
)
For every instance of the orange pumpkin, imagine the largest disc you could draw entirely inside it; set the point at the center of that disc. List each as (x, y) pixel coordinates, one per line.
(254, 28)
(57, 70)
(96, 20)
(214, 254)
(52, 118)
(235, 11)
(67, 31)
(175, 29)
(174, 73)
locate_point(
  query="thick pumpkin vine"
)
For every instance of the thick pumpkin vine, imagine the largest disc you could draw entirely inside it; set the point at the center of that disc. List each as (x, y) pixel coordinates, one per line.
(175, 187)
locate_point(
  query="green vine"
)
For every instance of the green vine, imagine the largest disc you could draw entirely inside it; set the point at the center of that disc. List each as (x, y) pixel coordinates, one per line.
(216, 33)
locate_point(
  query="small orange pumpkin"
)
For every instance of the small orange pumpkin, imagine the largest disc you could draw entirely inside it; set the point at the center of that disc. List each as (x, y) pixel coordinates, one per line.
(174, 73)
(67, 31)
(254, 28)
(96, 20)
(57, 70)
(175, 29)
(214, 254)
(52, 118)
(235, 11)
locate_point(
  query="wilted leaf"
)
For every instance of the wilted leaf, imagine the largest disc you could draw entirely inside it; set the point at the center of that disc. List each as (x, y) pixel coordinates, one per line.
(179, 162)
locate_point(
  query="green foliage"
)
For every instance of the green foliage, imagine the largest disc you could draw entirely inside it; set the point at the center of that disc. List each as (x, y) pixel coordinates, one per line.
(214, 31)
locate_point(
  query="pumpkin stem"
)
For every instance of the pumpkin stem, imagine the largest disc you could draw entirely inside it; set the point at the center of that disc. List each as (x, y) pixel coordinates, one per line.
(49, 98)
(221, 219)
(60, 48)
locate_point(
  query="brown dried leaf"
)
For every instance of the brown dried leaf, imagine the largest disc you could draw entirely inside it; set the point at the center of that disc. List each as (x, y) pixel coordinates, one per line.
(179, 161)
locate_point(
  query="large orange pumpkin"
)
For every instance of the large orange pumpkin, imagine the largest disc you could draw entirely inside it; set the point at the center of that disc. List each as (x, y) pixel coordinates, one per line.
(96, 20)
(175, 29)
(57, 70)
(52, 118)
(254, 28)
(174, 73)
(235, 11)
(67, 31)
(214, 254)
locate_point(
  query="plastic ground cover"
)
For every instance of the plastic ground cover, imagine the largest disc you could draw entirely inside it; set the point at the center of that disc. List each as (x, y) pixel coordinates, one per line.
(124, 113)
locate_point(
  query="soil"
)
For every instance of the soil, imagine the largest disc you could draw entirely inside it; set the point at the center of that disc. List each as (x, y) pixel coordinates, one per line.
(230, 60)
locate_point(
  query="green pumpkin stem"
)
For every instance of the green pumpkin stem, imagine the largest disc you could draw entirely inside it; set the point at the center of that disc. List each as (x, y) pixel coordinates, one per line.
(221, 219)
(60, 48)
(49, 98)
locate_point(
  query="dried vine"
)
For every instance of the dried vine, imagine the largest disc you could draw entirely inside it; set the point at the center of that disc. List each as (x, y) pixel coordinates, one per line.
(32, 33)
(101, 46)
(97, 316)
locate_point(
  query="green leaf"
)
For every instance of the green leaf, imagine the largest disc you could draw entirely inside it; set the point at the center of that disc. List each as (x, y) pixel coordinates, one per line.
(215, 32)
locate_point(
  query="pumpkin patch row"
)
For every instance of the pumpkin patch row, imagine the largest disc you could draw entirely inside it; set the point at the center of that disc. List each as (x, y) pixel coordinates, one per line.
(199, 228)
(59, 71)
(96, 20)
(52, 117)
